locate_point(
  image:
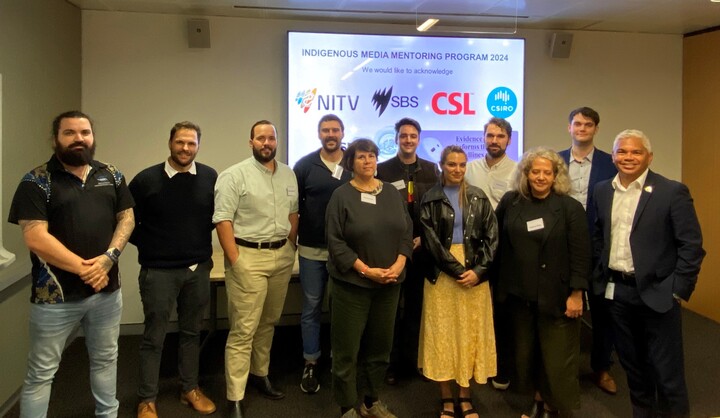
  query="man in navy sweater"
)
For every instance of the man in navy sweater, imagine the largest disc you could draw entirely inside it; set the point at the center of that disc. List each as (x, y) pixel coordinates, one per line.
(318, 175)
(173, 211)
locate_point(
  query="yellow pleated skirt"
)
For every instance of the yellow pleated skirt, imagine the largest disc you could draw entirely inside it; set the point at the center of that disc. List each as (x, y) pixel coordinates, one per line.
(457, 339)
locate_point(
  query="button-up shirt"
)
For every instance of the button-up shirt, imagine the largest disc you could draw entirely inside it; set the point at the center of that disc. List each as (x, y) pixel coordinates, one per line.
(494, 181)
(625, 202)
(579, 172)
(256, 200)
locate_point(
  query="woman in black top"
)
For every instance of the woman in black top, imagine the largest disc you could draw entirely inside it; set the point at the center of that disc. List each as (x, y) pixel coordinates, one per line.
(369, 238)
(543, 266)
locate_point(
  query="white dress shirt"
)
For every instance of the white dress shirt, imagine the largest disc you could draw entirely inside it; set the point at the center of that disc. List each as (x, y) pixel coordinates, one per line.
(625, 202)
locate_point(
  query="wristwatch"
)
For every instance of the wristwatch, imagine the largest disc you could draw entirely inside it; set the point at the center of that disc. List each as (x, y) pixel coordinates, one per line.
(113, 254)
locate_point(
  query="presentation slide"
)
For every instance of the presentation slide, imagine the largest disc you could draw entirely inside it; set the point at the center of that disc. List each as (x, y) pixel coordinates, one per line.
(452, 86)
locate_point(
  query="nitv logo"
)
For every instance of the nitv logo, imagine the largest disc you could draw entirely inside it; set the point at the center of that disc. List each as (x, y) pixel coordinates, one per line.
(455, 103)
(502, 102)
(305, 98)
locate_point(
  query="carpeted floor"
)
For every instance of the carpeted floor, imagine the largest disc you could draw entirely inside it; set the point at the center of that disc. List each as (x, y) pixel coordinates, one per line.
(410, 398)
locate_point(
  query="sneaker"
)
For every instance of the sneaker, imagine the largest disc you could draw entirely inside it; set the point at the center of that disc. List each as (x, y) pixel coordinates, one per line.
(309, 383)
(500, 382)
(378, 410)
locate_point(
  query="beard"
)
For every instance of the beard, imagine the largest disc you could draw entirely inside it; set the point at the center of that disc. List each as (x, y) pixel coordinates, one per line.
(179, 162)
(73, 157)
(496, 153)
(333, 148)
(260, 157)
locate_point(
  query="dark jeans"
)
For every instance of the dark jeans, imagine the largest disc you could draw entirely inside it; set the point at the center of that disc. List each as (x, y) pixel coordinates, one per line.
(650, 348)
(361, 330)
(160, 290)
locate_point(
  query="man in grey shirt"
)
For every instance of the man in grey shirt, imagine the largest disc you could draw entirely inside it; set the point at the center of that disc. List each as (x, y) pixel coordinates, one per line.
(256, 218)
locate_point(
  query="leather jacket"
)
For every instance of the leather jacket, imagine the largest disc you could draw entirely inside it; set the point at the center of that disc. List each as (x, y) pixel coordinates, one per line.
(479, 229)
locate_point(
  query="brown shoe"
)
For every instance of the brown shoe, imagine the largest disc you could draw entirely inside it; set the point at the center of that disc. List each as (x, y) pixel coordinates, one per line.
(604, 381)
(147, 410)
(198, 401)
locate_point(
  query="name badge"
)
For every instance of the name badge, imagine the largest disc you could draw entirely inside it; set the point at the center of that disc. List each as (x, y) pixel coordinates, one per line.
(610, 291)
(292, 191)
(338, 172)
(535, 224)
(367, 198)
(400, 184)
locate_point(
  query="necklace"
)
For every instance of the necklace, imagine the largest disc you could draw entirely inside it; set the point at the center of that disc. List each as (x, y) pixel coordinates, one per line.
(374, 190)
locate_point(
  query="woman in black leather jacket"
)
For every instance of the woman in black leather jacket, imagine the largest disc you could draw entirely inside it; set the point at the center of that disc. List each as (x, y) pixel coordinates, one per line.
(457, 342)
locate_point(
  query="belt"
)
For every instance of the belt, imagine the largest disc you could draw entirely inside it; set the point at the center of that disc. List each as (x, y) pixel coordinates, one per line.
(627, 279)
(273, 245)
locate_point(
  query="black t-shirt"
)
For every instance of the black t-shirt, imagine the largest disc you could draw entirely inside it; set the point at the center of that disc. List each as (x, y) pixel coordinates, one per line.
(81, 216)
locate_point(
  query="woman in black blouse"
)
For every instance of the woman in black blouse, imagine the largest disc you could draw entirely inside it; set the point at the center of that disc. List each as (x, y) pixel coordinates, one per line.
(369, 236)
(543, 266)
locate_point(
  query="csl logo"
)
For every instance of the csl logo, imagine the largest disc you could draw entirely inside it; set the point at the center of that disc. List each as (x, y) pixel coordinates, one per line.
(502, 102)
(381, 99)
(454, 103)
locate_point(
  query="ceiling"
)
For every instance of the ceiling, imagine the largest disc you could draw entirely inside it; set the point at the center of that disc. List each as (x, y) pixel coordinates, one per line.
(480, 16)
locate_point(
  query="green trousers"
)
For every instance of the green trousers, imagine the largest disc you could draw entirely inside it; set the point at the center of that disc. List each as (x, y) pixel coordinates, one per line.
(361, 334)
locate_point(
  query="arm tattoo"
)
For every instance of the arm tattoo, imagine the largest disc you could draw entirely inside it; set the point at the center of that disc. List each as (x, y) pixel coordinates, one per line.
(124, 228)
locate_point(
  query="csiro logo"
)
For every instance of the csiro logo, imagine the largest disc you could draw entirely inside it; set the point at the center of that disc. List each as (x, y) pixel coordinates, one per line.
(305, 98)
(501, 102)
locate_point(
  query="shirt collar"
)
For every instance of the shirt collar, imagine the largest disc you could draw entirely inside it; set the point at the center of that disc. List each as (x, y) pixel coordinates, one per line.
(638, 183)
(588, 157)
(262, 167)
(502, 161)
(170, 171)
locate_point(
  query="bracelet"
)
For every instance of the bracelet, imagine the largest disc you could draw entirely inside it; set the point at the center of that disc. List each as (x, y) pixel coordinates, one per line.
(362, 273)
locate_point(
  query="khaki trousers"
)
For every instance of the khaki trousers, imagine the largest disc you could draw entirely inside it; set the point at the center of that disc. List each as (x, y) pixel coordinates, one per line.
(256, 287)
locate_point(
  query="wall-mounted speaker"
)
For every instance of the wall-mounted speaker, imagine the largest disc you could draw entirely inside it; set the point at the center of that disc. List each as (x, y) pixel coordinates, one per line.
(560, 45)
(198, 33)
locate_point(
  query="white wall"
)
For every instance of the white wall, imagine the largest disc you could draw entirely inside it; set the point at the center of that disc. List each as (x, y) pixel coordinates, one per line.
(139, 77)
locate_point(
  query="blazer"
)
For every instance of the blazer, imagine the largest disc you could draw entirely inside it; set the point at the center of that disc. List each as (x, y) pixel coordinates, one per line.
(602, 168)
(665, 240)
(564, 255)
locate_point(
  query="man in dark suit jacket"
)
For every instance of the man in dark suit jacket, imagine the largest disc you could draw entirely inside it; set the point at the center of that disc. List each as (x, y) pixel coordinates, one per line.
(587, 166)
(648, 248)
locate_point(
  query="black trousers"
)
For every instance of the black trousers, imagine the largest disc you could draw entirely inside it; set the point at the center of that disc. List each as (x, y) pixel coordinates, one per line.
(650, 348)
(602, 335)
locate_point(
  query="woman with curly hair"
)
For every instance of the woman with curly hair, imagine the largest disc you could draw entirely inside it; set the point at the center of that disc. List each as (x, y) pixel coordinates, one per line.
(543, 267)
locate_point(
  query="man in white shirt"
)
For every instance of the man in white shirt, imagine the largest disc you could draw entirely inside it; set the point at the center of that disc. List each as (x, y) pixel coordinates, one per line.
(648, 250)
(492, 174)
